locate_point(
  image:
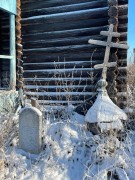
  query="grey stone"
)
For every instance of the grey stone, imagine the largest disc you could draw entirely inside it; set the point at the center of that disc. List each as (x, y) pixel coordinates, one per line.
(30, 130)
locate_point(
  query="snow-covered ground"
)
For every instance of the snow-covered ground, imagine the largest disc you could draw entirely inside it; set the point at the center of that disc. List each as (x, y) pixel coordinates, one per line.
(70, 152)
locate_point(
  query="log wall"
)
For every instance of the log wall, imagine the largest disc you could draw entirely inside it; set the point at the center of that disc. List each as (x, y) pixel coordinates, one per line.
(58, 61)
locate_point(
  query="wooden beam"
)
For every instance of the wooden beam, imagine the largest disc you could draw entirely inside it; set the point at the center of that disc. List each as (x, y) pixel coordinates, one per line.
(12, 53)
(5, 57)
(105, 33)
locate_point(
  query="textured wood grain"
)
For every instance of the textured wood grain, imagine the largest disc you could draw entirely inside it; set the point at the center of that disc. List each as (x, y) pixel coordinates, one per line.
(51, 36)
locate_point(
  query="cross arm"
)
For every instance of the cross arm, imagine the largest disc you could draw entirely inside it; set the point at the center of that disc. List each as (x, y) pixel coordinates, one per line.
(117, 45)
(102, 43)
(106, 33)
(5, 57)
(100, 66)
(97, 42)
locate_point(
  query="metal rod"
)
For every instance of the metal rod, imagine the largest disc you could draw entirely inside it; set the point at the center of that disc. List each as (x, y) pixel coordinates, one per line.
(12, 53)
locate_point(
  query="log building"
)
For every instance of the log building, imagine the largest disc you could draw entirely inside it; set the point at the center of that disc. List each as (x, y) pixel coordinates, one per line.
(54, 60)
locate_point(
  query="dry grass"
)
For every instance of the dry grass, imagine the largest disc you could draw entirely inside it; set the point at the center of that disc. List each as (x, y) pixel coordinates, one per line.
(131, 75)
(131, 86)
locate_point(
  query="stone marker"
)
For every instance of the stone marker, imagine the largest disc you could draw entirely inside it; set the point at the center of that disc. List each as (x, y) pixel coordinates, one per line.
(30, 130)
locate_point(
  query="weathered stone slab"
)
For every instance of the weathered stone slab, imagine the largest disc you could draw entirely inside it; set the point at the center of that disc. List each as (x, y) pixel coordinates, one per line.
(30, 130)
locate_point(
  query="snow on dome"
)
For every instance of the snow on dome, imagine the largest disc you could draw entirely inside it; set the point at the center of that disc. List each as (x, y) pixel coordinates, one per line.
(104, 111)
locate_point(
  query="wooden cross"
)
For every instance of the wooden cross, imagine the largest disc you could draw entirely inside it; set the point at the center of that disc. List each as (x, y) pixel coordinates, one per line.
(110, 34)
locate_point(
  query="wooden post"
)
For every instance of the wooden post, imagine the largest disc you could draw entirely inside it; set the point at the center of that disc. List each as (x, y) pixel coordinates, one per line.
(34, 102)
(12, 53)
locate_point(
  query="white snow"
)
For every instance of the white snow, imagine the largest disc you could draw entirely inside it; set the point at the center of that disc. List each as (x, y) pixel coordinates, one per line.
(105, 113)
(33, 108)
(70, 152)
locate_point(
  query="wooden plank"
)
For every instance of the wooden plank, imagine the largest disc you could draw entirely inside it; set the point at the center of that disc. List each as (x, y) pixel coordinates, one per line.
(12, 53)
(117, 45)
(105, 33)
(5, 57)
(97, 42)
(8, 5)
(112, 64)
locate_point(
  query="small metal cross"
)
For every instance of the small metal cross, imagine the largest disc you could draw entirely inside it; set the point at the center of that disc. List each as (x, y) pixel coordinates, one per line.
(110, 34)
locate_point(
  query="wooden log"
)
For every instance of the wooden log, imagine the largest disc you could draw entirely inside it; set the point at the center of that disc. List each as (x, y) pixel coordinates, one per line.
(68, 33)
(55, 65)
(62, 17)
(121, 2)
(56, 103)
(122, 28)
(60, 88)
(63, 9)
(61, 96)
(51, 73)
(63, 87)
(59, 42)
(96, 54)
(60, 81)
(123, 19)
(123, 10)
(52, 3)
(60, 50)
(30, 28)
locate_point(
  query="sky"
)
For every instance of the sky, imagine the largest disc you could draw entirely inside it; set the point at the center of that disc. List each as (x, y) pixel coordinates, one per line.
(131, 27)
